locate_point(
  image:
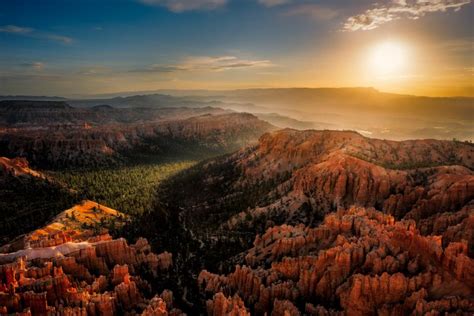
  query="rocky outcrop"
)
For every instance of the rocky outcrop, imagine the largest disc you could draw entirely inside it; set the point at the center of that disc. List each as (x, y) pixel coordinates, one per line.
(17, 167)
(76, 224)
(358, 261)
(79, 273)
(162, 305)
(223, 306)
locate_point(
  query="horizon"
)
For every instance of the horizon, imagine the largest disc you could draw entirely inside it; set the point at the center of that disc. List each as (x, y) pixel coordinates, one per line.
(110, 47)
(188, 93)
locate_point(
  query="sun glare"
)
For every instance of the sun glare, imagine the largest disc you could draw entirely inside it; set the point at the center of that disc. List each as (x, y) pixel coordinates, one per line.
(388, 59)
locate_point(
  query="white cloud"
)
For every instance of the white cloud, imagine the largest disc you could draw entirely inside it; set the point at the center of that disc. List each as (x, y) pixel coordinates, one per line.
(15, 29)
(30, 32)
(221, 63)
(398, 9)
(206, 63)
(58, 38)
(186, 5)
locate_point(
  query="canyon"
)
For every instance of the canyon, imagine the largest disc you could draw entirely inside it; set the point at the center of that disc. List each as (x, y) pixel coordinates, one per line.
(236, 158)
(292, 223)
(326, 222)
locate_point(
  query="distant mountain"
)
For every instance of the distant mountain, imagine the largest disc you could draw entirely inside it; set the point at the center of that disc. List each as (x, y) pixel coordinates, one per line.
(352, 100)
(377, 114)
(23, 113)
(150, 101)
(31, 98)
(55, 134)
(374, 113)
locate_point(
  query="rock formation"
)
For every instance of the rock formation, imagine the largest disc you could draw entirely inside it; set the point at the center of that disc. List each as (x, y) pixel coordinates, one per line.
(17, 167)
(340, 224)
(358, 261)
(65, 268)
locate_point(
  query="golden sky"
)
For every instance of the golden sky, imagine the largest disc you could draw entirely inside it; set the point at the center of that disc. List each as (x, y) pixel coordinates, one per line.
(89, 47)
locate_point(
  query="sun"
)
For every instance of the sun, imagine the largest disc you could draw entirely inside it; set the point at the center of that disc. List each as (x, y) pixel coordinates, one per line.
(388, 58)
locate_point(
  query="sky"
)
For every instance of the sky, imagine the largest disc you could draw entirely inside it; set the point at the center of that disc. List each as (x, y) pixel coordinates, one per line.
(86, 47)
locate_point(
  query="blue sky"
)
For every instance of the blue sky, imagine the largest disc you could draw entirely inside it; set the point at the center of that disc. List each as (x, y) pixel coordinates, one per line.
(99, 46)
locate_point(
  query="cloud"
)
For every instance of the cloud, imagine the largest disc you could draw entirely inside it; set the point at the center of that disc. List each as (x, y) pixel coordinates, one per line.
(13, 29)
(398, 9)
(58, 38)
(273, 3)
(221, 63)
(206, 63)
(314, 11)
(159, 68)
(37, 65)
(30, 32)
(179, 6)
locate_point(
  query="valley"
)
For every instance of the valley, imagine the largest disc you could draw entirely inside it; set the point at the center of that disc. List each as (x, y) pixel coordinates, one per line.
(113, 156)
(222, 213)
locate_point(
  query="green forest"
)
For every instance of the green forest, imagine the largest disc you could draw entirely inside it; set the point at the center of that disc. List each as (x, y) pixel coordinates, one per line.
(130, 189)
